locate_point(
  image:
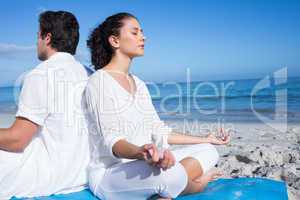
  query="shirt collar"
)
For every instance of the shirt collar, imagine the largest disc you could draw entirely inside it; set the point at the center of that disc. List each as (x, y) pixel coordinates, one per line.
(61, 55)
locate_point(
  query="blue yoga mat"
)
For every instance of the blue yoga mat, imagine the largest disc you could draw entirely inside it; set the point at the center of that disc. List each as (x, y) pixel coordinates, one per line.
(221, 189)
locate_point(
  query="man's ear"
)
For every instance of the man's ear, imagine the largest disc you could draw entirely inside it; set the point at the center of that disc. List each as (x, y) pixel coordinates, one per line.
(114, 41)
(48, 39)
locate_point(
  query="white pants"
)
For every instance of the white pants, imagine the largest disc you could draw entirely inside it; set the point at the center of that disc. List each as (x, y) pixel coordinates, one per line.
(136, 180)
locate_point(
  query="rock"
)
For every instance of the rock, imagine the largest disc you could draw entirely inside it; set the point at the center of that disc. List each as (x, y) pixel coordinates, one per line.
(297, 184)
(243, 159)
(291, 176)
(293, 194)
(235, 172)
(260, 171)
(275, 173)
(246, 170)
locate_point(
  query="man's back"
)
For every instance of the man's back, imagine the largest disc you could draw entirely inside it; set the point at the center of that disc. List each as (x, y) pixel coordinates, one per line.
(55, 161)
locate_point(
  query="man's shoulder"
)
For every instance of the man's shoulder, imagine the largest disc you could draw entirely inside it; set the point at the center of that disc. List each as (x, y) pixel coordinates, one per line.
(51, 66)
(42, 71)
(38, 71)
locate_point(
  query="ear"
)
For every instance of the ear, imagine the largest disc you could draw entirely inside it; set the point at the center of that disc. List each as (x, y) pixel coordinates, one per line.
(114, 41)
(48, 38)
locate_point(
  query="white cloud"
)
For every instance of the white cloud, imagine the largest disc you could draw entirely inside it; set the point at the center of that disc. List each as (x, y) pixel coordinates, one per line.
(8, 51)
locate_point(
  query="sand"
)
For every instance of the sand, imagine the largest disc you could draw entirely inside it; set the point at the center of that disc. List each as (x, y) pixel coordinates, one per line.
(255, 150)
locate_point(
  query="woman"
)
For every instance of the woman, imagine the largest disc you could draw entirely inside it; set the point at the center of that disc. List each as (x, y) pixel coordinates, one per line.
(129, 143)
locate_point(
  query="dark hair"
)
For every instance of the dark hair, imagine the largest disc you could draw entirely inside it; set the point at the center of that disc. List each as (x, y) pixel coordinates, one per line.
(100, 48)
(64, 30)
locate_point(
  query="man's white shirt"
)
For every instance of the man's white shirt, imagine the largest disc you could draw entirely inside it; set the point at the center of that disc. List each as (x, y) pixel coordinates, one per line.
(56, 159)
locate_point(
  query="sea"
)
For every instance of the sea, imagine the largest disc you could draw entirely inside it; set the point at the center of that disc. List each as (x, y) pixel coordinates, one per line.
(250, 100)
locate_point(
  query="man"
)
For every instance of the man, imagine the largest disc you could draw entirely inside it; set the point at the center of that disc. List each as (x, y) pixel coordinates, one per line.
(46, 150)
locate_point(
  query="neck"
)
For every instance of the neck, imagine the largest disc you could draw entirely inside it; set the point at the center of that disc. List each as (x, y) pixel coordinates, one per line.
(50, 53)
(120, 63)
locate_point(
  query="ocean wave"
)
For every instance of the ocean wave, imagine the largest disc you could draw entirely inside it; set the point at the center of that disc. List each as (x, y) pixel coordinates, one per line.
(208, 97)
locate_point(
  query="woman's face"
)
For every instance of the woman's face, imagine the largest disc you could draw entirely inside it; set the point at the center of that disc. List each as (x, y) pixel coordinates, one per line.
(131, 39)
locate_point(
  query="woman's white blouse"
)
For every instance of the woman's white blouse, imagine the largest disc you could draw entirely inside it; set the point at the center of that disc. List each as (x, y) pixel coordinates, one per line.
(115, 114)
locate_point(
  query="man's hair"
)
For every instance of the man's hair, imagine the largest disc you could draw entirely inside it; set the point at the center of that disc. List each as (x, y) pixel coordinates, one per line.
(64, 30)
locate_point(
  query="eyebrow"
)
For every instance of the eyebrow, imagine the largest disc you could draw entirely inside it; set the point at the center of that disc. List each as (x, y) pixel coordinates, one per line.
(137, 29)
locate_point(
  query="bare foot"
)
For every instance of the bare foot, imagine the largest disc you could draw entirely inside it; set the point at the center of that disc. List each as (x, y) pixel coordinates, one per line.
(157, 197)
(198, 184)
(209, 176)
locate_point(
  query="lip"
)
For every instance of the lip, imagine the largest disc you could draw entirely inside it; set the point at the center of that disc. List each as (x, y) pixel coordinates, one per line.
(142, 46)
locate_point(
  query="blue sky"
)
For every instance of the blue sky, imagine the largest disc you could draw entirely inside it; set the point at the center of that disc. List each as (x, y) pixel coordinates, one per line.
(215, 39)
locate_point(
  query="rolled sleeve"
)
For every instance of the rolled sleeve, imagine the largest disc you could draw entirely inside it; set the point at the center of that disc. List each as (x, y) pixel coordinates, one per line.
(33, 98)
(111, 141)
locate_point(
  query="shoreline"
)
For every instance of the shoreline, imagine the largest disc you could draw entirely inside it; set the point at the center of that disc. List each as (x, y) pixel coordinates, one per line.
(6, 119)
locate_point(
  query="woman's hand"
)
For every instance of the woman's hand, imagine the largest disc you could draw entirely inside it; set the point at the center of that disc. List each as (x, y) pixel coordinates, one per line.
(154, 157)
(224, 138)
(149, 153)
(166, 160)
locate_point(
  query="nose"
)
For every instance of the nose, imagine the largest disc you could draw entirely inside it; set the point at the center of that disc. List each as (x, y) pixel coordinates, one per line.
(143, 37)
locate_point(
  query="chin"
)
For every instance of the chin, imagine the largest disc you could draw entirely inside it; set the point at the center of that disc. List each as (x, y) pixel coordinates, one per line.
(141, 53)
(136, 55)
(42, 58)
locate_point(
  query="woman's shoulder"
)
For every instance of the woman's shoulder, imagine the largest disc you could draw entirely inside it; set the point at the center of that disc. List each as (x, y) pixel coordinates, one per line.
(138, 80)
(98, 80)
(141, 85)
